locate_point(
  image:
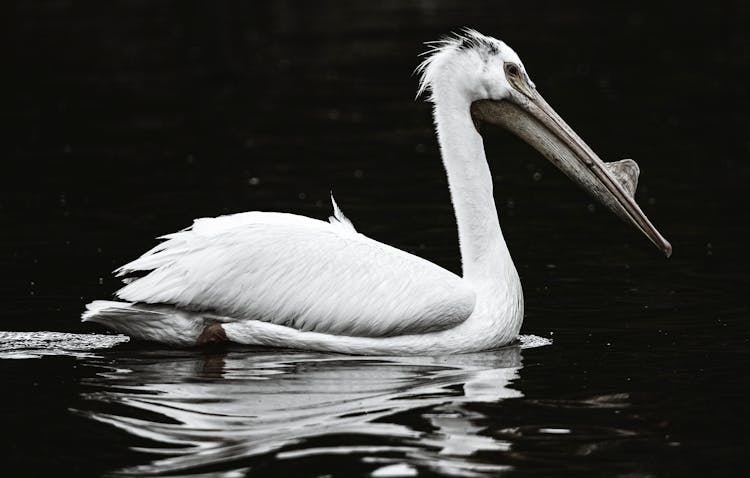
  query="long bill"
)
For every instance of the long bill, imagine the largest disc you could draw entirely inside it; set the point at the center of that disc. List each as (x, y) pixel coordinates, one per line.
(613, 184)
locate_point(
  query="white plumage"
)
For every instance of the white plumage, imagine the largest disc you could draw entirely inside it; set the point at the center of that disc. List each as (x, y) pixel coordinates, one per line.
(289, 281)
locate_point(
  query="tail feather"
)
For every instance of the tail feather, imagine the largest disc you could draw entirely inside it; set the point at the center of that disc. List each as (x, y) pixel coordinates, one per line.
(158, 323)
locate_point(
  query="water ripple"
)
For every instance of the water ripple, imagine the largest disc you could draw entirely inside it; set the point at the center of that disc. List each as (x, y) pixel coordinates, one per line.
(227, 412)
(25, 345)
(231, 410)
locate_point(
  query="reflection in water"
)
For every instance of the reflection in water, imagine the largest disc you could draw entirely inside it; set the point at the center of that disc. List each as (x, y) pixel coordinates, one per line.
(217, 412)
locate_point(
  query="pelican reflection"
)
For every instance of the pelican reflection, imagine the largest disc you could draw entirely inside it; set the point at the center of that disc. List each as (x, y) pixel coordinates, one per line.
(234, 409)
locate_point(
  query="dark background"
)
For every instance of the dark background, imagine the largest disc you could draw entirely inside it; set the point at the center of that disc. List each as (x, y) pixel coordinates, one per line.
(124, 120)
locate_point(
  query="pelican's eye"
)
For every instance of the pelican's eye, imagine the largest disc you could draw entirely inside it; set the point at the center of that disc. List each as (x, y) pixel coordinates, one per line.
(511, 69)
(518, 79)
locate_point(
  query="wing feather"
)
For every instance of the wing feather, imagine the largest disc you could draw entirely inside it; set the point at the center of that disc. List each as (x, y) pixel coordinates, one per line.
(299, 272)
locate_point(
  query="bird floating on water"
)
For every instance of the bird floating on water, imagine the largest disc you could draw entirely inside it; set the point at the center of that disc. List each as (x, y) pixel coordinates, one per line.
(282, 280)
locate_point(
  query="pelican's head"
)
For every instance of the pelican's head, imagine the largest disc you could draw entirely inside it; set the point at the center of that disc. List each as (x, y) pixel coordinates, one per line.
(471, 67)
(487, 78)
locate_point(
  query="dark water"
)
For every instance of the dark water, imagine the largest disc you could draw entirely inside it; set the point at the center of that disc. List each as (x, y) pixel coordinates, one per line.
(125, 120)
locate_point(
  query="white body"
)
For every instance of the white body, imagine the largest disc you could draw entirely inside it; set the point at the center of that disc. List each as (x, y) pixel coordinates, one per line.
(290, 281)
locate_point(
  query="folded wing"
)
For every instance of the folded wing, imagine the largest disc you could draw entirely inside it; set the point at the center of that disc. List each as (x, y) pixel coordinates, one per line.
(298, 272)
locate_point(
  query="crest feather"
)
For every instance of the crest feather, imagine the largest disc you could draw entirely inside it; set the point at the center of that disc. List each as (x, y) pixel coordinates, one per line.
(466, 39)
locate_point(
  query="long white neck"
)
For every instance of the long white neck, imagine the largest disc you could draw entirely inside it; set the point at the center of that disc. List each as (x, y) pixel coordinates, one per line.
(484, 254)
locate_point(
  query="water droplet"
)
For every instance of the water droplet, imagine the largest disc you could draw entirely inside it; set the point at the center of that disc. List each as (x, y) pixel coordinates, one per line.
(302, 195)
(591, 207)
(253, 181)
(359, 174)
(537, 176)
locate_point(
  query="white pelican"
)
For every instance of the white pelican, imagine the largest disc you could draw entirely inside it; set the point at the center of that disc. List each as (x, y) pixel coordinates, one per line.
(284, 280)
